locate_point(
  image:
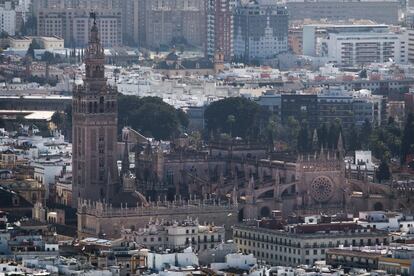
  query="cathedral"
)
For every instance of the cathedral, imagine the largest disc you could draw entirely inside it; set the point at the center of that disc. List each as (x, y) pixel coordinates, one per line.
(227, 182)
(107, 200)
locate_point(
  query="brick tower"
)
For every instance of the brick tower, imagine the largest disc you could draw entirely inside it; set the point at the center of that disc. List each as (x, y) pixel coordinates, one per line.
(94, 107)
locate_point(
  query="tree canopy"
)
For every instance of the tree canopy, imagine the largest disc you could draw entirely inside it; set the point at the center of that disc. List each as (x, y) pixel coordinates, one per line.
(383, 172)
(151, 115)
(237, 116)
(407, 142)
(34, 45)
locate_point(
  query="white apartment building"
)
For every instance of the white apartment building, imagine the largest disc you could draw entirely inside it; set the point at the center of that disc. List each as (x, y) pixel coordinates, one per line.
(176, 235)
(46, 171)
(7, 19)
(387, 221)
(410, 32)
(356, 45)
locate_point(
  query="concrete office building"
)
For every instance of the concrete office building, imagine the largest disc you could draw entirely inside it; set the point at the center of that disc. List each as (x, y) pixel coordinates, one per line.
(260, 30)
(380, 11)
(355, 45)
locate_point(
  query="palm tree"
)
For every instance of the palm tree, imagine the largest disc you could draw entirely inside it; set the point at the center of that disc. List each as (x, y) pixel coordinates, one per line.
(231, 119)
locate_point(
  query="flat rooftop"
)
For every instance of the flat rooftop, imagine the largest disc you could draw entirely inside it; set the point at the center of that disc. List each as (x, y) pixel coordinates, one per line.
(37, 115)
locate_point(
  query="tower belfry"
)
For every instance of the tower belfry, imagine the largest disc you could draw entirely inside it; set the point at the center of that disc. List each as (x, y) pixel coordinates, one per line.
(94, 107)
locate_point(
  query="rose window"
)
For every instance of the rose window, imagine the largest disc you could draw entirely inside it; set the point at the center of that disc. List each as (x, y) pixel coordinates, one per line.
(322, 188)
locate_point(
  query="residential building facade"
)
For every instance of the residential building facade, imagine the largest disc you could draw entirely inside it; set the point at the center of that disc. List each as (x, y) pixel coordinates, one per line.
(381, 11)
(7, 19)
(173, 22)
(176, 235)
(355, 45)
(73, 26)
(219, 27)
(302, 244)
(260, 30)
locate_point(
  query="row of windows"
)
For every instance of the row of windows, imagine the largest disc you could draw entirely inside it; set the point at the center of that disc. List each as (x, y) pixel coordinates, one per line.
(289, 242)
(95, 107)
(205, 239)
(354, 242)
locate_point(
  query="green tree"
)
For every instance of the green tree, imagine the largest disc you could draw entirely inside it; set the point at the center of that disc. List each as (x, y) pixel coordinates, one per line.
(323, 135)
(292, 129)
(196, 140)
(353, 138)
(4, 34)
(247, 115)
(67, 124)
(366, 132)
(58, 119)
(117, 71)
(303, 138)
(152, 116)
(407, 143)
(383, 172)
(335, 129)
(231, 119)
(33, 46)
(51, 58)
(363, 74)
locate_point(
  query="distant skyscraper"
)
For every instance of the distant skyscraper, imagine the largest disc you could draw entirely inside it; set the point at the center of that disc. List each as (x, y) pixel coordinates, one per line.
(95, 172)
(219, 27)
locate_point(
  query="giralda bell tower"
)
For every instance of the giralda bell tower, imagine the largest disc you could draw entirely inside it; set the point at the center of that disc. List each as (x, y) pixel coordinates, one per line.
(94, 133)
